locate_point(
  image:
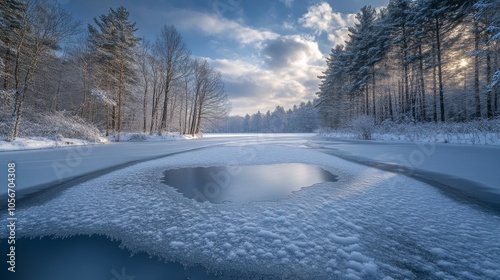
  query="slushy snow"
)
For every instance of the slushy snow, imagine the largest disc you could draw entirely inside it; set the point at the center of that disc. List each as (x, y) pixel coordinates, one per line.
(370, 224)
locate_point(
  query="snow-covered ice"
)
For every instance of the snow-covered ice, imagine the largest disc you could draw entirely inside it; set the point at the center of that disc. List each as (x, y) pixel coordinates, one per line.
(368, 224)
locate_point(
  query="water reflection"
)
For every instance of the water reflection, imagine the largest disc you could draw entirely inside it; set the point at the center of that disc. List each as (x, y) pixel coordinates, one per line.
(245, 183)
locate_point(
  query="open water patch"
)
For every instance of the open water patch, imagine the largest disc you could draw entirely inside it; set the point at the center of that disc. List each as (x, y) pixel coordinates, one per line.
(241, 184)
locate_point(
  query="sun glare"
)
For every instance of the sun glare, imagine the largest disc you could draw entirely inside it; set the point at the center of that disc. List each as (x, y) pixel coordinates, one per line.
(463, 63)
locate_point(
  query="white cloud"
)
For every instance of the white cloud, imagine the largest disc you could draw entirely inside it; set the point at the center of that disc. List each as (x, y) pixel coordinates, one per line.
(291, 51)
(210, 24)
(288, 25)
(287, 77)
(322, 19)
(288, 3)
(272, 70)
(318, 18)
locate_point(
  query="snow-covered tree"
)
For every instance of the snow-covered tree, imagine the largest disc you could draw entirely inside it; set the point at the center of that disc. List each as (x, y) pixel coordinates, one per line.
(488, 15)
(114, 43)
(40, 26)
(11, 21)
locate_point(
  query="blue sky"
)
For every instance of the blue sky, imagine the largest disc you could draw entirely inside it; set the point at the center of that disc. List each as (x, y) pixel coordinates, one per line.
(269, 52)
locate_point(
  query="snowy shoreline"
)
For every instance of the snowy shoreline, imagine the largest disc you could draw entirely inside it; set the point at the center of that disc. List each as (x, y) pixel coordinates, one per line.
(35, 143)
(472, 133)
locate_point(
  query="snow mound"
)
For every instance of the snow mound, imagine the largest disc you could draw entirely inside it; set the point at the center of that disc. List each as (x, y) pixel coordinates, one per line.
(370, 224)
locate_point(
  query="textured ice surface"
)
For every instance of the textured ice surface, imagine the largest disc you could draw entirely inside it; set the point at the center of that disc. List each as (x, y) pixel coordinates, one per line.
(369, 224)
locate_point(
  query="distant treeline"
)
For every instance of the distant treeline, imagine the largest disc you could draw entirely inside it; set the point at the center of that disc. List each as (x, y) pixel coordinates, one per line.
(302, 118)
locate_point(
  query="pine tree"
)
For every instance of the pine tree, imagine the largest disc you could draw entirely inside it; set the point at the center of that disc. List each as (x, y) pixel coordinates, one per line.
(444, 16)
(115, 43)
(488, 14)
(361, 44)
(334, 95)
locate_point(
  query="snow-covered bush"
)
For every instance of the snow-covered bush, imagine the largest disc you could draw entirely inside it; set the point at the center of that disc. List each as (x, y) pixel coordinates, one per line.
(364, 126)
(56, 125)
(137, 137)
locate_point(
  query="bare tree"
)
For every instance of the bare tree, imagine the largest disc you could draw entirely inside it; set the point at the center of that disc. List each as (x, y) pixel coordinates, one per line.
(210, 100)
(175, 57)
(145, 69)
(44, 24)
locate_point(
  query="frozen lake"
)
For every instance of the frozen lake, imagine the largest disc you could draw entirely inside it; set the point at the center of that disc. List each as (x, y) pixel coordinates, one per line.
(372, 222)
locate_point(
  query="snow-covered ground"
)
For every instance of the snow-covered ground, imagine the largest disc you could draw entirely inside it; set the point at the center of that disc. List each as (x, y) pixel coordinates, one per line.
(370, 224)
(32, 143)
(455, 138)
(485, 132)
(42, 143)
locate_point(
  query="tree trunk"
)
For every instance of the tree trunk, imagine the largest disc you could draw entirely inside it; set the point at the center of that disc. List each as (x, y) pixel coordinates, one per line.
(422, 83)
(434, 87)
(366, 99)
(154, 107)
(193, 120)
(6, 77)
(84, 99)
(496, 88)
(144, 106)
(194, 111)
(198, 121)
(108, 90)
(186, 112)
(107, 119)
(477, 98)
(172, 111)
(113, 118)
(440, 71)
(400, 98)
(489, 107)
(19, 114)
(163, 124)
(120, 99)
(391, 114)
(58, 91)
(373, 96)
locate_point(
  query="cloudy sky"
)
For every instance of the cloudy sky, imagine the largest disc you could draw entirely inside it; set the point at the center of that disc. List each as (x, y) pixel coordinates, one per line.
(269, 52)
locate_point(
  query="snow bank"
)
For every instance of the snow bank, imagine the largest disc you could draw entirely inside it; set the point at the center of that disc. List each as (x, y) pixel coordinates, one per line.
(30, 143)
(146, 137)
(473, 132)
(43, 143)
(370, 224)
